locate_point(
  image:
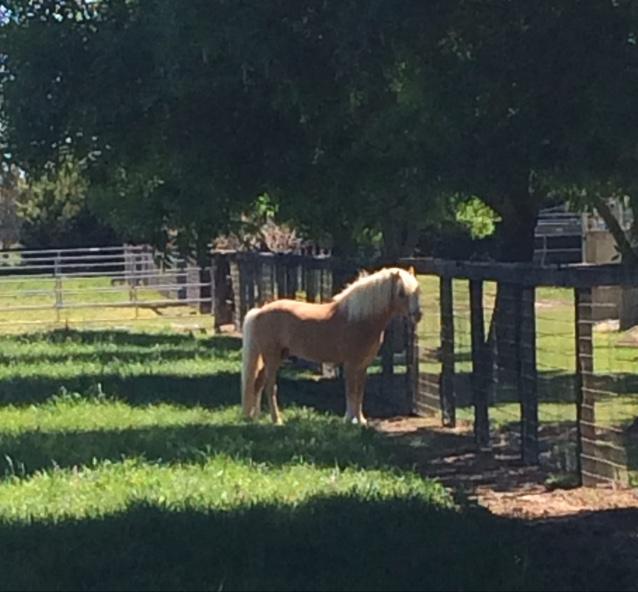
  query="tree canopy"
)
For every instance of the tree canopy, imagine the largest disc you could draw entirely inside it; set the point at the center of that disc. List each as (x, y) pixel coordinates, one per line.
(355, 116)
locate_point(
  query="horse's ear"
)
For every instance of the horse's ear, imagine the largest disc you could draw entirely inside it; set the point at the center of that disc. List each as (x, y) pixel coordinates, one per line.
(411, 270)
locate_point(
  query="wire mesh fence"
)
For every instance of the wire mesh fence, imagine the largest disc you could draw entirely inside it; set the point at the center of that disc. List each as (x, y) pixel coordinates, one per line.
(532, 360)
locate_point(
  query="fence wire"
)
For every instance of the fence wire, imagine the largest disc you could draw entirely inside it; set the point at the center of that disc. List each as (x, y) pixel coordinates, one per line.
(559, 378)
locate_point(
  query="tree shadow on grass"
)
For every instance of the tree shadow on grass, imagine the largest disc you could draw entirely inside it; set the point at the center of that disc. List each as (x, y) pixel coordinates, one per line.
(126, 338)
(211, 391)
(107, 347)
(341, 542)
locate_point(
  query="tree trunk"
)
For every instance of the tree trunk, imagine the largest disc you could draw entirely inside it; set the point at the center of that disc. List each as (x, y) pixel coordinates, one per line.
(516, 245)
(628, 309)
(628, 254)
(399, 239)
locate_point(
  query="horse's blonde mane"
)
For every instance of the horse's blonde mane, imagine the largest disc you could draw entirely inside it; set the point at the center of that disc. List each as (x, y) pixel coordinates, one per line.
(371, 294)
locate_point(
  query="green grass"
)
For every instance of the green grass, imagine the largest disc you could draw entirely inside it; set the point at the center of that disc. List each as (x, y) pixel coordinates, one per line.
(125, 464)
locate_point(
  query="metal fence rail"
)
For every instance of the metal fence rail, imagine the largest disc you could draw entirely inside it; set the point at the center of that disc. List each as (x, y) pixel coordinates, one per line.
(126, 283)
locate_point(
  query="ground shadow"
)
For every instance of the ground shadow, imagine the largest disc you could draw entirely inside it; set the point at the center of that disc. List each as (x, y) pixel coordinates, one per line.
(340, 542)
(126, 338)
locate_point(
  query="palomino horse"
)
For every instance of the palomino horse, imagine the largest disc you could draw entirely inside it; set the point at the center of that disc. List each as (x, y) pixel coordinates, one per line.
(347, 330)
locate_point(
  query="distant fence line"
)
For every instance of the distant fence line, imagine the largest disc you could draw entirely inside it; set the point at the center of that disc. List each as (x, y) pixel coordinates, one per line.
(132, 277)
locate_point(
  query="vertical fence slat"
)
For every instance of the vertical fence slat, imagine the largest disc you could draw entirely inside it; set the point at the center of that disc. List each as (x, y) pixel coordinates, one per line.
(448, 402)
(585, 401)
(480, 368)
(412, 363)
(527, 375)
(222, 292)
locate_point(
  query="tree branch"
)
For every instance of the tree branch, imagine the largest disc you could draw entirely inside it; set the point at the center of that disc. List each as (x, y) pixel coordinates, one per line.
(628, 254)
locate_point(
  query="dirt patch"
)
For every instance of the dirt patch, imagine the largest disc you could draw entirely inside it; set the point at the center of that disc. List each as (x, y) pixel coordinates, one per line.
(578, 539)
(496, 479)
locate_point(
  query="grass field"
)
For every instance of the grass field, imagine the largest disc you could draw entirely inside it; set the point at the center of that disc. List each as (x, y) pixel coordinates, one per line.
(125, 465)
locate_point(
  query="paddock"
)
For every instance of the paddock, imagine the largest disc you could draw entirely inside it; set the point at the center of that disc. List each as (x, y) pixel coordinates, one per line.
(134, 427)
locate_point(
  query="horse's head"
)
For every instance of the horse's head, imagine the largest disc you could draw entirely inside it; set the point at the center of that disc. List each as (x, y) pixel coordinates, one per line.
(406, 294)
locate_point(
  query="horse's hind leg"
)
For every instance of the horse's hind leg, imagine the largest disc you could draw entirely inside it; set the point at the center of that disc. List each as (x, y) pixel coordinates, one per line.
(361, 386)
(350, 375)
(272, 366)
(259, 389)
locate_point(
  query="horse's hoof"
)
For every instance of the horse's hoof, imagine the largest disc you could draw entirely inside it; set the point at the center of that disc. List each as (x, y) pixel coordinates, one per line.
(356, 420)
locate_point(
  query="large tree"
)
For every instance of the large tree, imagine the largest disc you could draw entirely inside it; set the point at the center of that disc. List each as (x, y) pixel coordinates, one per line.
(358, 117)
(183, 114)
(544, 97)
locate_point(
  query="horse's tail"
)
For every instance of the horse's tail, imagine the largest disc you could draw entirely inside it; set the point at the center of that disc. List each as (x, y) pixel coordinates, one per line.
(251, 363)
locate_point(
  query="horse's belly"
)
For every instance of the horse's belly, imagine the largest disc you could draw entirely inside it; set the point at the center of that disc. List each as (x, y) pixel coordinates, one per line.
(318, 352)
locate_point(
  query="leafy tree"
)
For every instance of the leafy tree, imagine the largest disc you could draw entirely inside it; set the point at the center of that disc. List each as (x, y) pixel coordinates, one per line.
(360, 118)
(543, 96)
(53, 210)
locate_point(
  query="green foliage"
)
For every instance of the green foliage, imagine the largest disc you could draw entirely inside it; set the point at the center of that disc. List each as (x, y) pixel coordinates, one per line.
(54, 211)
(478, 217)
(362, 119)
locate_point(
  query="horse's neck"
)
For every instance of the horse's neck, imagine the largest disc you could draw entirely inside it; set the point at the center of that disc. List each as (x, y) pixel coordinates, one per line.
(380, 320)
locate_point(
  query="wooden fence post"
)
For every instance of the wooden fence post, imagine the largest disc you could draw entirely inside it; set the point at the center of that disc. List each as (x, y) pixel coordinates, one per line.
(326, 290)
(480, 369)
(281, 277)
(239, 305)
(412, 366)
(292, 271)
(527, 374)
(181, 279)
(310, 275)
(448, 402)
(222, 290)
(57, 273)
(205, 291)
(585, 400)
(266, 274)
(387, 363)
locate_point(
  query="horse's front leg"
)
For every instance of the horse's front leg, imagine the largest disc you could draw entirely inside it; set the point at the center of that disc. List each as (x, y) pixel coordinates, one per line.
(355, 380)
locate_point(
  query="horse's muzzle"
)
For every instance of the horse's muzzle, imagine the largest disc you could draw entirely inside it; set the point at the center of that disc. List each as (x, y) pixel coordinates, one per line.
(415, 317)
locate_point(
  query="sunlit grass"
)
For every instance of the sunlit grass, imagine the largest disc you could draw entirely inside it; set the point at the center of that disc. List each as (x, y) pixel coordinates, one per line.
(128, 450)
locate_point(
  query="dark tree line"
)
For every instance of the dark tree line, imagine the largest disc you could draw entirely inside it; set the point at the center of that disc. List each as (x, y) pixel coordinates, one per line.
(354, 116)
